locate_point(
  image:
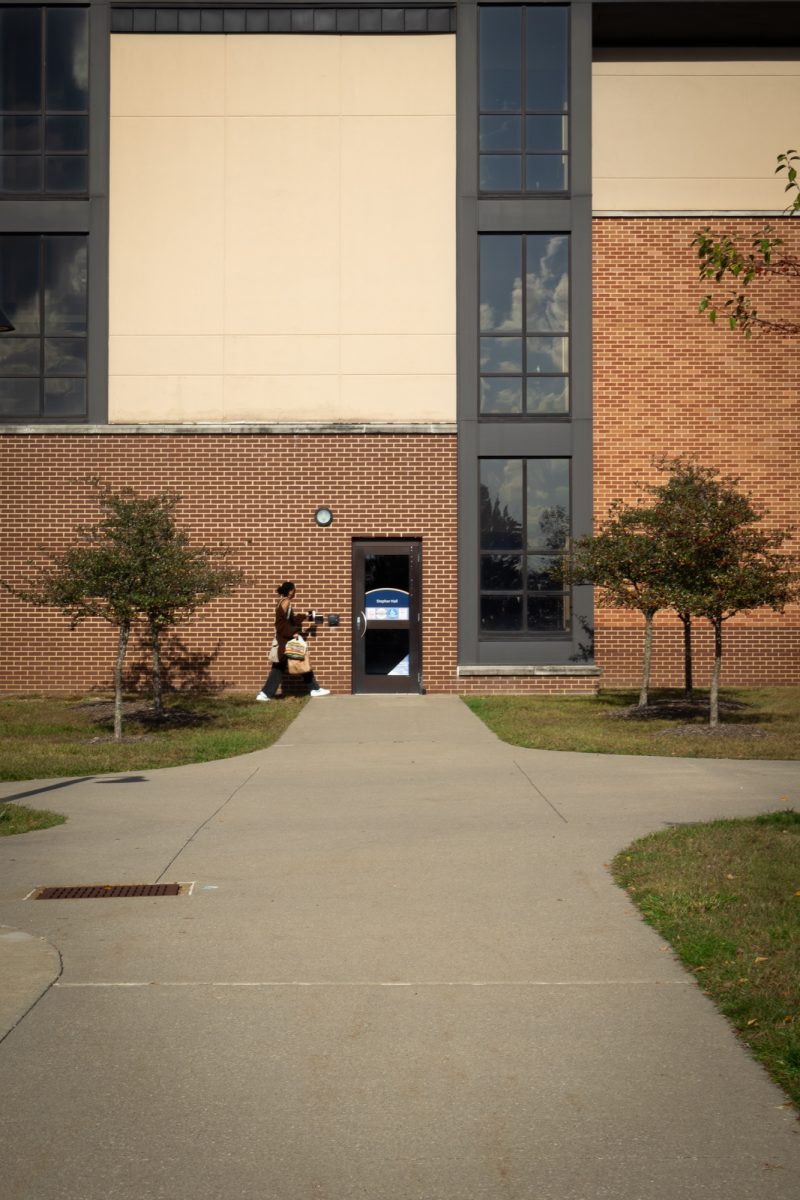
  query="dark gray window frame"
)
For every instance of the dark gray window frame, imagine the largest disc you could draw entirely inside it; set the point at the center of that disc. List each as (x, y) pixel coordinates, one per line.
(89, 216)
(486, 438)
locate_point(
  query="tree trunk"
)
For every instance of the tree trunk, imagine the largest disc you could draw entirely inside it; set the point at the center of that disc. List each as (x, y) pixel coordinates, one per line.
(688, 682)
(155, 646)
(648, 653)
(124, 631)
(713, 699)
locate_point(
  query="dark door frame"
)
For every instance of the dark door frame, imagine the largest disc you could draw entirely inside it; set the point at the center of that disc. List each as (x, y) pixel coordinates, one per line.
(364, 684)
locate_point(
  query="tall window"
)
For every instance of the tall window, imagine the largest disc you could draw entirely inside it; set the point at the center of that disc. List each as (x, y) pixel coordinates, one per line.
(43, 292)
(524, 534)
(524, 325)
(44, 101)
(524, 99)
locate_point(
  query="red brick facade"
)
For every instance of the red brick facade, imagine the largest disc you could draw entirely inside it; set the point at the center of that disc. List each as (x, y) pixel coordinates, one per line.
(666, 382)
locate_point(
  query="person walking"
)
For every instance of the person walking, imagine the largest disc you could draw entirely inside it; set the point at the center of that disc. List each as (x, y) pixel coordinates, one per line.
(287, 625)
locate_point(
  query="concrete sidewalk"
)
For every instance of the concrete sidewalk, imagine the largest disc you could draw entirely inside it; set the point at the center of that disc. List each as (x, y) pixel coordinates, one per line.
(403, 972)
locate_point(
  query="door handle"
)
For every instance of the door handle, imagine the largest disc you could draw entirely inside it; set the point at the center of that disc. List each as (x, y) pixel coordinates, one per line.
(362, 616)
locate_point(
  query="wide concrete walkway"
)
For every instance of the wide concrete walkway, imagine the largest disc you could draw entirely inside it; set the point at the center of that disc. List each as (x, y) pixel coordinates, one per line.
(403, 973)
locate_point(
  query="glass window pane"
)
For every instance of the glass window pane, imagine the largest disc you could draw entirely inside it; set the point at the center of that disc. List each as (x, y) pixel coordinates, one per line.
(64, 397)
(545, 573)
(20, 133)
(545, 173)
(547, 282)
(503, 133)
(500, 55)
(501, 614)
(66, 133)
(501, 396)
(548, 614)
(546, 395)
(548, 354)
(546, 133)
(19, 282)
(501, 355)
(65, 174)
(546, 59)
(501, 503)
(21, 59)
(19, 356)
(20, 173)
(501, 572)
(67, 59)
(387, 651)
(548, 503)
(501, 283)
(65, 285)
(64, 356)
(19, 397)
(501, 173)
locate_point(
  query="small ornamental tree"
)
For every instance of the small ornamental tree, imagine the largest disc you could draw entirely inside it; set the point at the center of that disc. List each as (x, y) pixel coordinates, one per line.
(766, 259)
(134, 564)
(717, 561)
(698, 549)
(624, 561)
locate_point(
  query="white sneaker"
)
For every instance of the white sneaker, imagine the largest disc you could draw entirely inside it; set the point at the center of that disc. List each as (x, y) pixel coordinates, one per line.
(262, 696)
(320, 692)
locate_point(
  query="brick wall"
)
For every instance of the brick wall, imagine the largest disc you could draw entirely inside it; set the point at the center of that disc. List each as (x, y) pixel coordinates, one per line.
(257, 494)
(668, 382)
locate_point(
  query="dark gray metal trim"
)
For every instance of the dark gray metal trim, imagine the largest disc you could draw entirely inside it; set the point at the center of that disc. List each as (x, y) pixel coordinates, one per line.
(522, 438)
(402, 18)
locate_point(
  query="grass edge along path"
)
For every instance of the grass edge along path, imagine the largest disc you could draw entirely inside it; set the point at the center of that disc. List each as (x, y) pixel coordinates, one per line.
(17, 818)
(46, 737)
(726, 896)
(756, 723)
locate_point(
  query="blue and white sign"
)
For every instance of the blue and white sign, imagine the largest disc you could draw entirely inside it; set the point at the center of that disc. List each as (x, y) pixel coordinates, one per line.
(387, 604)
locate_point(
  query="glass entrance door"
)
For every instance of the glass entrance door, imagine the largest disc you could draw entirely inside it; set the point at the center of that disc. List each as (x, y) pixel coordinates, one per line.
(386, 617)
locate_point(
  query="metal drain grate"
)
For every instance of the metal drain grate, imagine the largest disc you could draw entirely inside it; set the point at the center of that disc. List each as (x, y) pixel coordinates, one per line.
(101, 891)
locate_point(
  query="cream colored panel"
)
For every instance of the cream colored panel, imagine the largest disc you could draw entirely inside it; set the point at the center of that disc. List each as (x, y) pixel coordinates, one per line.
(160, 399)
(691, 135)
(398, 398)
(154, 75)
(398, 76)
(282, 225)
(131, 355)
(282, 76)
(281, 398)
(166, 247)
(398, 225)
(282, 355)
(417, 354)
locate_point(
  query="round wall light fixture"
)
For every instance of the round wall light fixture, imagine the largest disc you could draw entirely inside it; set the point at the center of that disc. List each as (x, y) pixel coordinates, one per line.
(323, 517)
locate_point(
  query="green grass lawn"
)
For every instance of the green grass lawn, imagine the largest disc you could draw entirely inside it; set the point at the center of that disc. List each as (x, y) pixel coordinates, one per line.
(726, 896)
(16, 818)
(756, 723)
(45, 737)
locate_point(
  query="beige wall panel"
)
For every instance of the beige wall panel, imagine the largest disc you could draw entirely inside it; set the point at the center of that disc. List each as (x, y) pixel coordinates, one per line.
(417, 354)
(271, 258)
(398, 225)
(282, 398)
(282, 76)
(398, 76)
(158, 76)
(690, 135)
(166, 252)
(282, 355)
(158, 399)
(164, 355)
(282, 225)
(398, 398)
